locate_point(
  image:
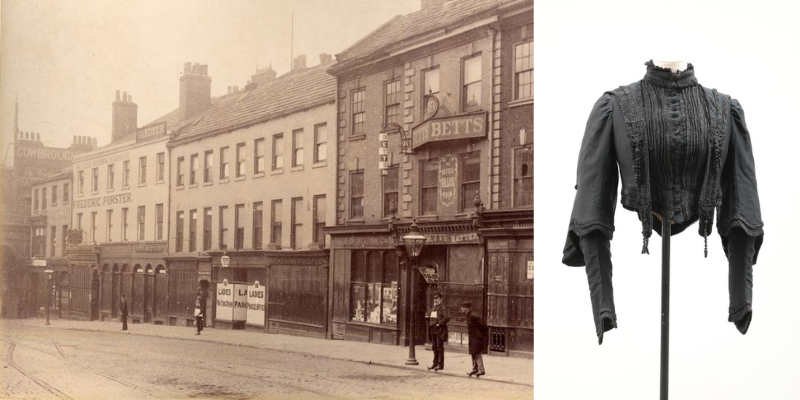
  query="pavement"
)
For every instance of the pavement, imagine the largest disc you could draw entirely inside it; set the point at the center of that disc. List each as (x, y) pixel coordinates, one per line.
(498, 368)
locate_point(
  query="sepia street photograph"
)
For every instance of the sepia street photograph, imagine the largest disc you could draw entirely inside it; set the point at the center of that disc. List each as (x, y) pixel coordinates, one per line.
(266, 199)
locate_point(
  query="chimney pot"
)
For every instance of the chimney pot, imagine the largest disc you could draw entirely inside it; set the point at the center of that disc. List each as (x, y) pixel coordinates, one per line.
(130, 98)
(300, 61)
(324, 57)
(124, 96)
(117, 95)
(187, 67)
(204, 69)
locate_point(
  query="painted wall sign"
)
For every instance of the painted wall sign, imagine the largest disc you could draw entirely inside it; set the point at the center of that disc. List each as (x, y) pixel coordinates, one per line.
(256, 304)
(103, 201)
(240, 302)
(463, 126)
(448, 171)
(451, 238)
(365, 241)
(122, 156)
(224, 301)
(151, 132)
(530, 269)
(45, 153)
(150, 248)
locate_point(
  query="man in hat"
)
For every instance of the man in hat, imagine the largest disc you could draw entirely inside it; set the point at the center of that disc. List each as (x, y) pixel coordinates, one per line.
(437, 322)
(123, 309)
(477, 338)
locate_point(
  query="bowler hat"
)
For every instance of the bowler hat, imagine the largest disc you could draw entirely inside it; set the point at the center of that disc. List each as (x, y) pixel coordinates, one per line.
(466, 304)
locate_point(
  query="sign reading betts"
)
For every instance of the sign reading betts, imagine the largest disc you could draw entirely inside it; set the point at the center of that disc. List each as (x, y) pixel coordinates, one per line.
(465, 126)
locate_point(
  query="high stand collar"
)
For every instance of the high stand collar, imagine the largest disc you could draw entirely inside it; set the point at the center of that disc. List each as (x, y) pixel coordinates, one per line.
(664, 77)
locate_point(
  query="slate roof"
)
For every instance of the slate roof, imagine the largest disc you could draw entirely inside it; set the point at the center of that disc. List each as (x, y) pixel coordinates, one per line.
(291, 92)
(427, 23)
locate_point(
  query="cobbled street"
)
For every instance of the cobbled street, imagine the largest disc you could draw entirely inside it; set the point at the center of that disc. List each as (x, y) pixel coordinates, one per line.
(48, 362)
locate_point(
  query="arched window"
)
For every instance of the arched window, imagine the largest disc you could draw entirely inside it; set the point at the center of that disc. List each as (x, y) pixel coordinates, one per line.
(160, 269)
(373, 286)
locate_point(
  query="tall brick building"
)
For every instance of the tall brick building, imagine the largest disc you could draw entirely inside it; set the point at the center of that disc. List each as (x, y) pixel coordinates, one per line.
(435, 124)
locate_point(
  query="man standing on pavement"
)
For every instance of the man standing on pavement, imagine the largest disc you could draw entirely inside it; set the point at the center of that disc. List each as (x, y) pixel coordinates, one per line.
(477, 338)
(437, 323)
(199, 313)
(123, 308)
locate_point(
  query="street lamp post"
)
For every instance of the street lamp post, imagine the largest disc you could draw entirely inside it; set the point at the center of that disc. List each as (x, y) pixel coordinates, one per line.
(49, 273)
(413, 242)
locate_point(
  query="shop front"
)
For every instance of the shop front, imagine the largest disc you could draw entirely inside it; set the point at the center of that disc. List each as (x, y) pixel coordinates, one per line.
(270, 291)
(137, 270)
(84, 282)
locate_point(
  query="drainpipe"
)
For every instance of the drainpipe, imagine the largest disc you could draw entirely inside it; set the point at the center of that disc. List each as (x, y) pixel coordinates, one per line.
(492, 33)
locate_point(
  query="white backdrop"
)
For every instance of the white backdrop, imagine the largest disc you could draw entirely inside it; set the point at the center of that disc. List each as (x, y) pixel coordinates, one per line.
(750, 51)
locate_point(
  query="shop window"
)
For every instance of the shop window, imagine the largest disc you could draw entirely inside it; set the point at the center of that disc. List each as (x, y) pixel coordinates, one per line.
(471, 92)
(523, 70)
(429, 198)
(470, 179)
(359, 114)
(390, 189)
(392, 105)
(523, 177)
(373, 287)
(357, 194)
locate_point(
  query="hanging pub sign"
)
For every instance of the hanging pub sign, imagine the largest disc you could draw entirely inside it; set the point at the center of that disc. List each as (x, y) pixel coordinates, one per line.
(256, 303)
(75, 236)
(448, 170)
(383, 153)
(224, 301)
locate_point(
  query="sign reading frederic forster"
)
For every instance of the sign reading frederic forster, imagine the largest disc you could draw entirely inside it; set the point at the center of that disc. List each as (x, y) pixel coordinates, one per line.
(464, 126)
(151, 132)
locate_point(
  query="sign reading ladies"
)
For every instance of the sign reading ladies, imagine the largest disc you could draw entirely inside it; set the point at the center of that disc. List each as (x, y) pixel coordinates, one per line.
(256, 304)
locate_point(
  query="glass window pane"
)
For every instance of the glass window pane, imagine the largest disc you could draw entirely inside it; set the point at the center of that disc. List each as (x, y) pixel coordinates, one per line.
(373, 303)
(357, 302)
(473, 95)
(472, 70)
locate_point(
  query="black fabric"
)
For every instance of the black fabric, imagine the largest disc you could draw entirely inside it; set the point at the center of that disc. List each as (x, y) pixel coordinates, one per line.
(740, 279)
(682, 151)
(476, 331)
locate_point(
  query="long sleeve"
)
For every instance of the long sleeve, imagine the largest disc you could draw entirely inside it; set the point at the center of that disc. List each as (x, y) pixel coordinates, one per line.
(597, 179)
(597, 253)
(740, 207)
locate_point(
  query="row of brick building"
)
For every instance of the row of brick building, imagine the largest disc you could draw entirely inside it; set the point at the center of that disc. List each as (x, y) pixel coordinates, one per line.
(284, 203)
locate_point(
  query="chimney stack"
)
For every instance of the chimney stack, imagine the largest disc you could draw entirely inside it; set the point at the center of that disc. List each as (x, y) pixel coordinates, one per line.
(264, 75)
(123, 116)
(299, 62)
(324, 57)
(195, 90)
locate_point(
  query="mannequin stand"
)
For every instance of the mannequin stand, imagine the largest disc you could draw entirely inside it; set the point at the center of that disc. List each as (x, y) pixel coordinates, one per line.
(666, 232)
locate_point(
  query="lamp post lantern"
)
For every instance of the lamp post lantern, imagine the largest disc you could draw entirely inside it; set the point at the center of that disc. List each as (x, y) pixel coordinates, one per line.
(413, 242)
(49, 273)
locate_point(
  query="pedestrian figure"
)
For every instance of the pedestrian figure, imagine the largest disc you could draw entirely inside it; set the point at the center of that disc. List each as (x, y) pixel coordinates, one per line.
(199, 314)
(123, 308)
(437, 322)
(477, 338)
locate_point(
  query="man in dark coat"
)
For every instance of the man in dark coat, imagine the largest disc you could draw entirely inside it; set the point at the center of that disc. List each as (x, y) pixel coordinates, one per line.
(199, 313)
(437, 323)
(123, 308)
(477, 338)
